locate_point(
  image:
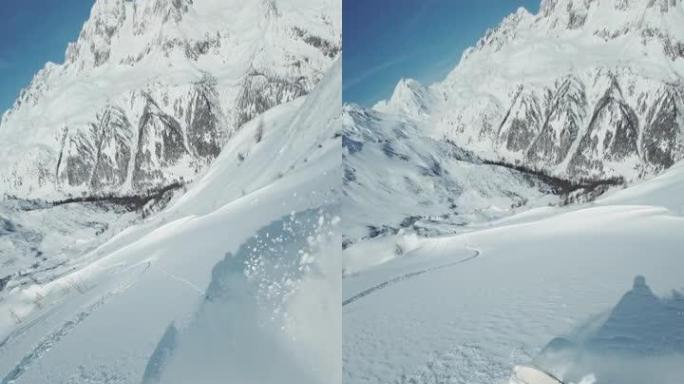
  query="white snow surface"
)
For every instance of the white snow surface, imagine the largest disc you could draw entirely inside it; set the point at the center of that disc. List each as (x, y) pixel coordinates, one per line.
(108, 319)
(468, 308)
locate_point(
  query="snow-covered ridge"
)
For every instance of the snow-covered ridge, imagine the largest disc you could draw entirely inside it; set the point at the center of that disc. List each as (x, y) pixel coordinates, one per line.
(582, 90)
(152, 90)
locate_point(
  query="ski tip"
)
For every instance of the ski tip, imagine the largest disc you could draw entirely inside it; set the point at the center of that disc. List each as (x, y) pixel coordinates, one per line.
(529, 375)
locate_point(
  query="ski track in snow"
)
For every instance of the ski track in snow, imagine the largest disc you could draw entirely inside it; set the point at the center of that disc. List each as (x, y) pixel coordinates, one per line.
(55, 337)
(183, 281)
(410, 275)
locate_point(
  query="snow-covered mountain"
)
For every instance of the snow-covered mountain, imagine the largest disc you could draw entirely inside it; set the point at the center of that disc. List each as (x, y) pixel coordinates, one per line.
(585, 89)
(152, 91)
(237, 280)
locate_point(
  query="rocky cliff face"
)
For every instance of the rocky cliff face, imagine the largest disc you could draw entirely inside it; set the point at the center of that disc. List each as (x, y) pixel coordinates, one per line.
(585, 89)
(152, 90)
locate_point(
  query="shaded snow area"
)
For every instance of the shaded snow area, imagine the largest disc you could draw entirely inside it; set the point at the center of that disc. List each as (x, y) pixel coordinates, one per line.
(241, 267)
(585, 294)
(277, 283)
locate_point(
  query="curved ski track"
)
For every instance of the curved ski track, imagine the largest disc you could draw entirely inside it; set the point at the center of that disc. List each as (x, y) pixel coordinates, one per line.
(406, 276)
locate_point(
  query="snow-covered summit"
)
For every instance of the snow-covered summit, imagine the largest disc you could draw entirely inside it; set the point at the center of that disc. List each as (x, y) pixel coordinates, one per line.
(410, 98)
(115, 25)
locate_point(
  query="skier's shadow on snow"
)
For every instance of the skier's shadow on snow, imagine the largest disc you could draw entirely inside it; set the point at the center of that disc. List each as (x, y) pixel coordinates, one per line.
(235, 325)
(642, 332)
(642, 323)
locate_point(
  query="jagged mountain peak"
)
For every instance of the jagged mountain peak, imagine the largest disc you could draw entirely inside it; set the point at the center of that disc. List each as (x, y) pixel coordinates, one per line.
(499, 35)
(408, 85)
(117, 27)
(408, 90)
(651, 27)
(548, 7)
(409, 98)
(104, 9)
(628, 14)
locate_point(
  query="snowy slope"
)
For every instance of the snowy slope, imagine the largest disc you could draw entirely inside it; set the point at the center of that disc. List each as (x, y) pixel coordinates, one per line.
(153, 90)
(582, 90)
(245, 261)
(468, 308)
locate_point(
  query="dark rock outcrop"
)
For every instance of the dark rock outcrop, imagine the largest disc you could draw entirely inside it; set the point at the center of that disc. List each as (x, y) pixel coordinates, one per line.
(662, 132)
(261, 91)
(611, 135)
(113, 139)
(160, 144)
(522, 122)
(205, 131)
(565, 111)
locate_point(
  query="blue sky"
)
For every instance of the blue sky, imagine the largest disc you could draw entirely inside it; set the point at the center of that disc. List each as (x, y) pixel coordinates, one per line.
(385, 40)
(33, 33)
